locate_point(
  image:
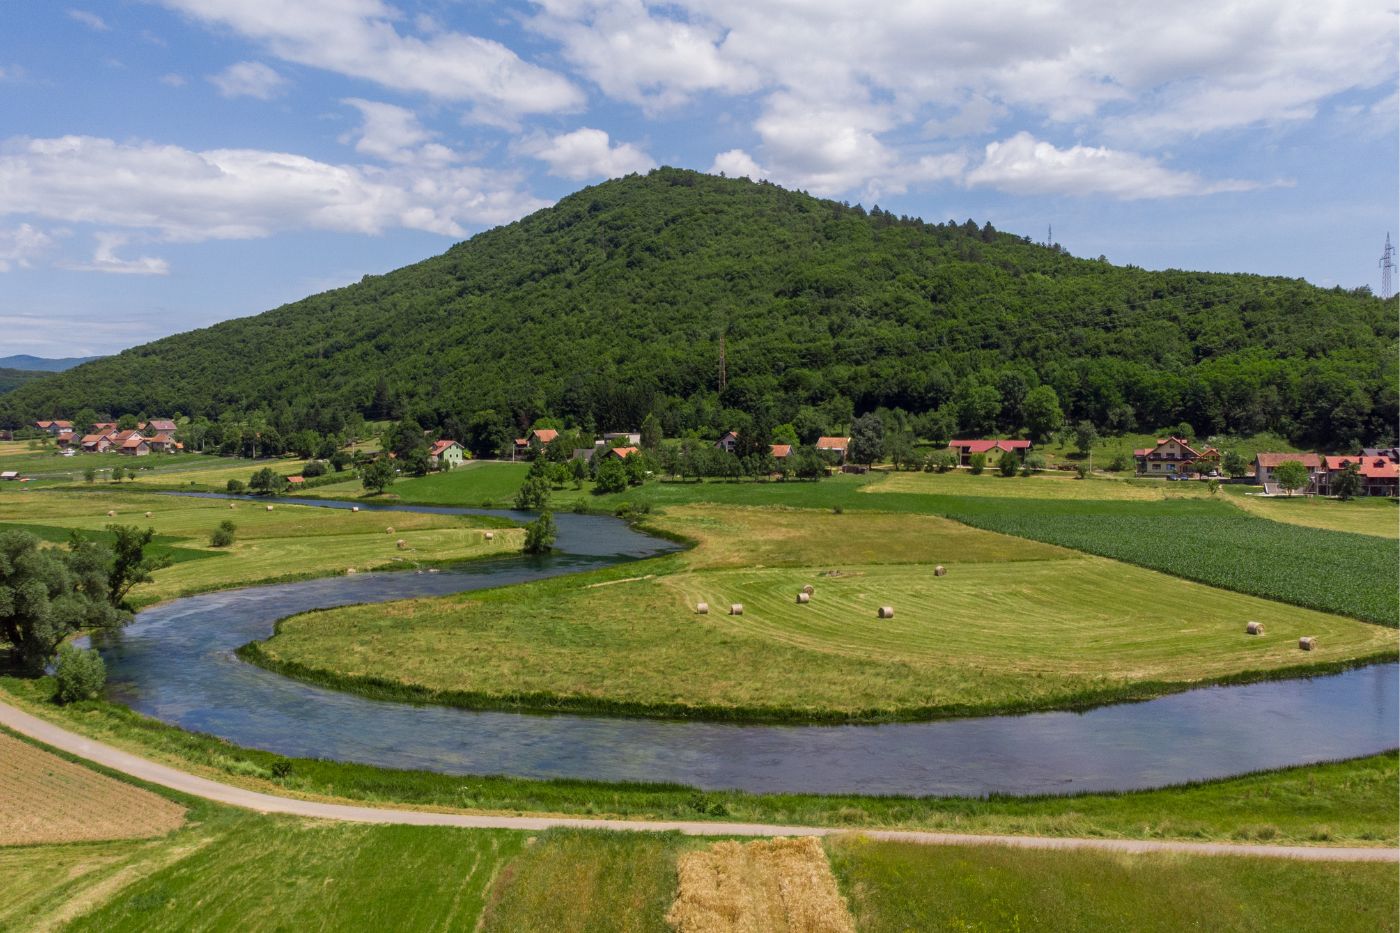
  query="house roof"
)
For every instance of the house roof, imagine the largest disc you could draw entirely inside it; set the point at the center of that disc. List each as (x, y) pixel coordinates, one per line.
(162, 438)
(1270, 460)
(1380, 468)
(439, 447)
(981, 447)
(42, 424)
(622, 452)
(161, 424)
(296, 480)
(733, 434)
(133, 442)
(92, 438)
(833, 443)
(780, 451)
(64, 424)
(109, 425)
(544, 435)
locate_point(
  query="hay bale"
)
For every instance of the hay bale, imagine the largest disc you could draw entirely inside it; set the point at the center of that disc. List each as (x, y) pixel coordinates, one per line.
(269, 508)
(1254, 628)
(148, 514)
(886, 612)
(702, 609)
(350, 570)
(940, 570)
(354, 508)
(232, 506)
(804, 598)
(808, 589)
(736, 609)
(1307, 643)
(402, 544)
(388, 531)
(490, 536)
(111, 513)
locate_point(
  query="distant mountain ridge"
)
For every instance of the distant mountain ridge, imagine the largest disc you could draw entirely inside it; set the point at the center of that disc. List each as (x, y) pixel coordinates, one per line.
(622, 299)
(29, 363)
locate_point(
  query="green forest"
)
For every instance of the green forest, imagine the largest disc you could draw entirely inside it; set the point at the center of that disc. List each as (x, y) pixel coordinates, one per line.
(706, 302)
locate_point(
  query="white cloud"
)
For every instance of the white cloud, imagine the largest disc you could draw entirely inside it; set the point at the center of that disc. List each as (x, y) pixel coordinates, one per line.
(90, 20)
(184, 195)
(249, 79)
(358, 38)
(22, 244)
(587, 153)
(172, 80)
(105, 259)
(394, 134)
(1028, 166)
(736, 163)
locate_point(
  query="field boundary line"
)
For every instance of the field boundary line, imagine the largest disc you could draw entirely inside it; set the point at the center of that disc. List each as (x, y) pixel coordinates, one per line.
(175, 779)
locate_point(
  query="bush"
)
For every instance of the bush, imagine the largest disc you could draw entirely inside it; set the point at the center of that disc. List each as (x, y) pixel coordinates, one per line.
(236, 487)
(1008, 464)
(1082, 469)
(539, 535)
(313, 469)
(80, 673)
(977, 464)
(223, 535)
(1118, 464)
(281, 769)
(1032, 463)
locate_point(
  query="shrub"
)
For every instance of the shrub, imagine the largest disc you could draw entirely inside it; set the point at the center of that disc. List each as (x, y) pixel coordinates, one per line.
(236, 487)
(281, 769)
(1007, 464)
(539, 535)
(313, 469)
(1032, 463)
(80, 673)
(1082, 469)
(978, 463)
(1118, 464)
(223, 535)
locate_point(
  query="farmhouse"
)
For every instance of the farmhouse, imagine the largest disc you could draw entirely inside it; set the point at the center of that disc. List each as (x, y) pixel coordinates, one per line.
(1266, 463)
(728, 441)
(54, 427)
(781, 451)
(160, 425)
(104, 427)
(96, 443)
(163, 443)
(1173, 456)
(621, 453)
(535, 441)
(446, 454)
(1380, 476)
(835, 445)
(991, 449)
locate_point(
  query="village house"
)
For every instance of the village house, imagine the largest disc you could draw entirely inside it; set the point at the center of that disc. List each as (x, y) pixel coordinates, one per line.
(1173, 456)
(834, 445)
(160, 426)
(780, 451)
(728, 441)
(104, 427)
(1379, 475)
(446, 454)
(991, 449)
(535, 441)
(164, 443)
(632, 438)
(1266, 463)
(585, 453)
(96, 443)
(621, 453)
(54, 427)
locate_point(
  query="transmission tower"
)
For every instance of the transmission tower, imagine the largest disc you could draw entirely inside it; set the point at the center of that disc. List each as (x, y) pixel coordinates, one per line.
(1387, 265)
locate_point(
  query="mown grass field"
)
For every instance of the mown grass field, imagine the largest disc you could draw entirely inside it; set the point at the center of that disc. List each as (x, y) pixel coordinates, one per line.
(1369, 516)
(1014, 625)
(288, 541)
(44, 798)
(897, 887)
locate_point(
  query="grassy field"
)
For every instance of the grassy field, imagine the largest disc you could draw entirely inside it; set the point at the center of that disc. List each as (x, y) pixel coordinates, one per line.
(44, 798)
(896, 887)
(288, 541)
(1014, 625)
(1370, 516)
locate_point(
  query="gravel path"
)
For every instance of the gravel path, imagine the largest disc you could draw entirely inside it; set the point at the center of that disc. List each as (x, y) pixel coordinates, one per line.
(175, 779)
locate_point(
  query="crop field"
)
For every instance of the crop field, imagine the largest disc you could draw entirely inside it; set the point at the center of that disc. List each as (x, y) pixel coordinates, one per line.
(1013, 626)
(1047, 485)
(1369, 516)
(896, 887)
(574, 881)
(45, 798)
(782, 885)
(278, 873)
(288, 541)
(165, 468)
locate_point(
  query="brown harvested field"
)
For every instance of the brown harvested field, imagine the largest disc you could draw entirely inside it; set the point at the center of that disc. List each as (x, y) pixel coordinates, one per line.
(44, 798)
(769, 885)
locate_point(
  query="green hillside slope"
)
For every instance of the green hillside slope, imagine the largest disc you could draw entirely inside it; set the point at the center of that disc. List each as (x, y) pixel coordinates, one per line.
(611, 304)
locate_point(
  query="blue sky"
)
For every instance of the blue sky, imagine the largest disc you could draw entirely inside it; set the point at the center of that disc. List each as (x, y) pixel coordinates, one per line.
(165, 164)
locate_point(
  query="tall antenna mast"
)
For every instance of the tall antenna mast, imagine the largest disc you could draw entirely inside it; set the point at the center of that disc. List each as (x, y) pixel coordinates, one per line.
(1387, 265)
(723, 372)
(1049, 234)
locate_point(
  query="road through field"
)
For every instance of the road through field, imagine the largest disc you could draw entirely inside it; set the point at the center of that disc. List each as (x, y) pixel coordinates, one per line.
(175, 779)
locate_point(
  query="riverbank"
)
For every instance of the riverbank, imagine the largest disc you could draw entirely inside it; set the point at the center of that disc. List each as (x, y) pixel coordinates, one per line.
(1343, 803)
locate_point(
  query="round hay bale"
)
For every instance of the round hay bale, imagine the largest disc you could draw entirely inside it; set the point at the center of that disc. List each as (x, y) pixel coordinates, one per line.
(809, 589)
(886, 612)
(148, 514)
(232, 506)
(1254, 628)
(402, 544)
(736, 609)
(111, 513)
(350, 570)
(354, 508)
(940, 570)
(1307, 643)
(702, 609)
(388, 531)
(269, 508)
(804, 598)
(490, 536)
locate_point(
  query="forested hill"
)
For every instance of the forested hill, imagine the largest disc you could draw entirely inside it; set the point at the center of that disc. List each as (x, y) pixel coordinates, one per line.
(612, 303)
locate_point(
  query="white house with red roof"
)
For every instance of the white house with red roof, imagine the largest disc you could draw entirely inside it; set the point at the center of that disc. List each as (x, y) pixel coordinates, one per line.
(834, 445)
(1379, 475)
(1266, 463)
(728, 441)
(1173, 456)
(446, 454)
(991, 449)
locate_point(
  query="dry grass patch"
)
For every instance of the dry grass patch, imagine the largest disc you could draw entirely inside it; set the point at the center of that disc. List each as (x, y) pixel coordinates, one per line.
(1377, 517)
(1052, 485)
(44, 798)
(771, 885)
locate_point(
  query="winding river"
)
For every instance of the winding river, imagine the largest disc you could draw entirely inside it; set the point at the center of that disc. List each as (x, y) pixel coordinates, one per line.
(176, 662)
